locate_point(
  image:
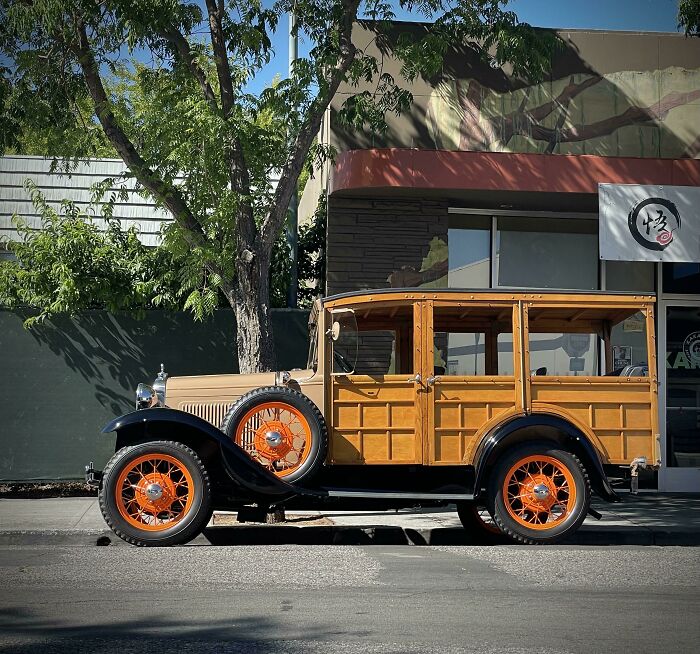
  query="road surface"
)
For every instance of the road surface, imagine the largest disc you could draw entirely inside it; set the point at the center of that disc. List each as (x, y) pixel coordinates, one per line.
(293, 599)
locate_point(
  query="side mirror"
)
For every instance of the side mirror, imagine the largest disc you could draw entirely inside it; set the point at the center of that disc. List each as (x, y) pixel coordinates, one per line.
(334, 331)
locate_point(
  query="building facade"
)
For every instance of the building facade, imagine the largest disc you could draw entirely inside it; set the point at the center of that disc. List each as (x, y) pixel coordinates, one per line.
(130, 207)
(493, 182)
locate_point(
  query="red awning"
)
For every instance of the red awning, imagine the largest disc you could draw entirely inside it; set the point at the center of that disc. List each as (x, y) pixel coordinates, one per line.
(502, 171)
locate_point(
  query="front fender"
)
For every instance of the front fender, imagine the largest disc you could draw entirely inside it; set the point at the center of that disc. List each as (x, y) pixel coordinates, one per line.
(165, 424)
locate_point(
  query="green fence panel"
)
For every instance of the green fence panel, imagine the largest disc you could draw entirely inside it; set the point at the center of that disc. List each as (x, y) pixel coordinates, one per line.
(62, 381)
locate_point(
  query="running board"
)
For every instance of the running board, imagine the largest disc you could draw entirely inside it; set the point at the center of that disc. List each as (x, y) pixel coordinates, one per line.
(397, 495)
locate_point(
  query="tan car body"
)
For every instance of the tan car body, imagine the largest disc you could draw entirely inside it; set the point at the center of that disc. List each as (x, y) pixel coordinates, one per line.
(445, 419)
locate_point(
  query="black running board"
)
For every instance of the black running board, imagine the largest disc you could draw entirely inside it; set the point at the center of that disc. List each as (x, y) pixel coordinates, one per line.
(399, 495)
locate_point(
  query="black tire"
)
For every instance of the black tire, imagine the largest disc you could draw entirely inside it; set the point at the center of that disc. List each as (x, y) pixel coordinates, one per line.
(479, 525)
(179, 473)
(312, 452)
(561, 471)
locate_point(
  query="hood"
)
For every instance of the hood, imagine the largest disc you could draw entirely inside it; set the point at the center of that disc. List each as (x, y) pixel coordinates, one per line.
(210, 396)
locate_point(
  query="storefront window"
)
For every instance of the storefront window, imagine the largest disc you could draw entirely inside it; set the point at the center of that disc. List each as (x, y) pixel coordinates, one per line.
(547, 253)
(683, 386)
(634, 276)
(681, 278)
(469, 246)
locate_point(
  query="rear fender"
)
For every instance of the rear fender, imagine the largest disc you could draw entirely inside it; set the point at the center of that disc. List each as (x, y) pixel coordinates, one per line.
(170, 424)
(545, 427)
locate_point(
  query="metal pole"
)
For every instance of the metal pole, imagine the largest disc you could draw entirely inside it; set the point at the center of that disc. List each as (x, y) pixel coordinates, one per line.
(292, 222)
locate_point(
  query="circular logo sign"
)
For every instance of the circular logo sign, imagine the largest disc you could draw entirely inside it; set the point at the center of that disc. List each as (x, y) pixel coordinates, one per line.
(691, 347)
(653, 222)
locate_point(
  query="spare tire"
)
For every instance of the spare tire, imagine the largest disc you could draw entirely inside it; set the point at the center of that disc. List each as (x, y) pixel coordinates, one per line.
(281, 429)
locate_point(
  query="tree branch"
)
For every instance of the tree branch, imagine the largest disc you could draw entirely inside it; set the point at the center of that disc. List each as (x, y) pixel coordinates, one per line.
(164, 192)
(186, 55)
(289, 174)
(238, 168)
(218, 43)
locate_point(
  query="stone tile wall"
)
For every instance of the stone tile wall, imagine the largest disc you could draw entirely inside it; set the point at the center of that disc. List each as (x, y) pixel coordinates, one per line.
(385, 243)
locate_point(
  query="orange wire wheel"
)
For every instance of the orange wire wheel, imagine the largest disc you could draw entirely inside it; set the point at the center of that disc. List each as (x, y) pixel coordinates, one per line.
(539, 492)
(154, 492)
(277, 435)
(281, 429)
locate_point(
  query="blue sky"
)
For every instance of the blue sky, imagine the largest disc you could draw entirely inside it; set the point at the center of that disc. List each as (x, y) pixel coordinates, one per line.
(635, 15)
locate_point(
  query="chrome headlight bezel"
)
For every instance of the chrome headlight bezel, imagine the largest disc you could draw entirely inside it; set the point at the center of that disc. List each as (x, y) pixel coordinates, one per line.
(145, 397)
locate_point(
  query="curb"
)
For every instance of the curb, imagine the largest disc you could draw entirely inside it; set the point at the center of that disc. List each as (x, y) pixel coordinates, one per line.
(350, 535)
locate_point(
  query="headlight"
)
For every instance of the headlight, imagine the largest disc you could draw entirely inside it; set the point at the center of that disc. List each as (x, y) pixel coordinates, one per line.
(282, 378)
(145, 397)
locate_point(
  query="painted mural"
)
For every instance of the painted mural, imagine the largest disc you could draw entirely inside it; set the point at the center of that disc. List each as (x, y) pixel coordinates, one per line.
(628, 113)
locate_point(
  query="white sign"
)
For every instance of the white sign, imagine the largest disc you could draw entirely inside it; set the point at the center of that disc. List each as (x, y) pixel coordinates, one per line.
(649, 223)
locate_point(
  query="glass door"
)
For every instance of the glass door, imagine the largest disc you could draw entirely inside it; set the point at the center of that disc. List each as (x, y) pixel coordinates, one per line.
(680, 377)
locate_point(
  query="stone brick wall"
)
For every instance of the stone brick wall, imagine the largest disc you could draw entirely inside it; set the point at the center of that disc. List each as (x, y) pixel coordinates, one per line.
(382, 243)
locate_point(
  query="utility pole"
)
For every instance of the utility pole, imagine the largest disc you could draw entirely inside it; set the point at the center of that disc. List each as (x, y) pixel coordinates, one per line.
(293, 219)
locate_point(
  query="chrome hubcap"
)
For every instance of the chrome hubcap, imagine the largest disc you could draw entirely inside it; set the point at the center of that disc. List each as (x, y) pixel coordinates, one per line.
(154, 492)
(541, 491)
(273, 438)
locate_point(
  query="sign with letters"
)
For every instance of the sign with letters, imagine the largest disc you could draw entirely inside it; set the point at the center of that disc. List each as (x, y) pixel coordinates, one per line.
(649, 223)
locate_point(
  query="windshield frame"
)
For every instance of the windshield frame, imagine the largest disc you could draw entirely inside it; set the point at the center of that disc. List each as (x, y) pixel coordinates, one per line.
(312, 359)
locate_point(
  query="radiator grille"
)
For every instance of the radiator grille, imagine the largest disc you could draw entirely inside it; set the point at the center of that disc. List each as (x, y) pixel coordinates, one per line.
(213, 412)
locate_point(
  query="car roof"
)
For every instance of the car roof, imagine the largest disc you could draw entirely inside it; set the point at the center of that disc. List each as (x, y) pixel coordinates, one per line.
(504, 293)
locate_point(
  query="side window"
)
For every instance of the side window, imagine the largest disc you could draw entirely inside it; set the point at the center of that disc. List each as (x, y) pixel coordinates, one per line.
(376, 353)
(473, 341)
(627, 353)
(563, 354)
(505, 353)
(570, 341)
(384, 340)
(459, 353)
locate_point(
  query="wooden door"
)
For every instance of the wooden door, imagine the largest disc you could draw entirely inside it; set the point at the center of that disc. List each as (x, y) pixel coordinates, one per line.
(379, 418)
(458, 406)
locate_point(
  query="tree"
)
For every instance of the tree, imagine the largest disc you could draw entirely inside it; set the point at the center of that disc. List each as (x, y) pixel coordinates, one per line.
(71, 265)
(164, 83)
(689, 17)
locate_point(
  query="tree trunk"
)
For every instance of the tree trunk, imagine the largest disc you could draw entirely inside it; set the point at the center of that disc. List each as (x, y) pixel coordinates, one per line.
(251, 301)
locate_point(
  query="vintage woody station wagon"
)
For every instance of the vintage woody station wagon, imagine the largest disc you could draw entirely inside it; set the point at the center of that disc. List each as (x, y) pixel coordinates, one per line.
(508, 401)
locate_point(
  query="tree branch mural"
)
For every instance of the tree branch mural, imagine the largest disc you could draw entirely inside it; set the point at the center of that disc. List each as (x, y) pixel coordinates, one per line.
(561, 118)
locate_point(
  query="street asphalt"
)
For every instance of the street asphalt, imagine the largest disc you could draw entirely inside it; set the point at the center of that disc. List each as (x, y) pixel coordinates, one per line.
(297, 599)
(644, 519)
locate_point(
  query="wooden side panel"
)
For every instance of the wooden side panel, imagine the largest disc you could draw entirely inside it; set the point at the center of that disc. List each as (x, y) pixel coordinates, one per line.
(619, 411)
(462, 405)
(374, 420)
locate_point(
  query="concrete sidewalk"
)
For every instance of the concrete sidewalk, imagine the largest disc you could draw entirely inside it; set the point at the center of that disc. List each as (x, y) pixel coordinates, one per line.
(645, 519)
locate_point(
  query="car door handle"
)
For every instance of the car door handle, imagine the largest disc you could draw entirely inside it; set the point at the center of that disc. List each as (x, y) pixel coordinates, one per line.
(417, 379)
(432, 379)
